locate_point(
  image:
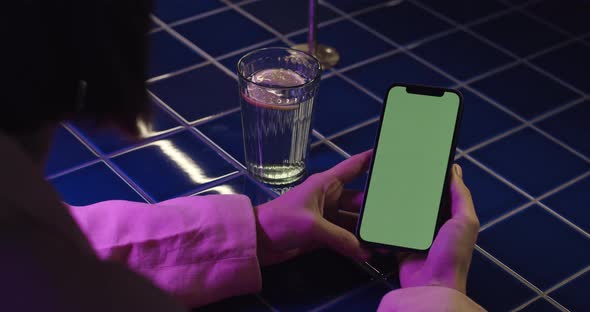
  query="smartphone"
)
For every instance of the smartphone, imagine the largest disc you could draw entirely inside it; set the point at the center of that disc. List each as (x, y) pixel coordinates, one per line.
(409, 175)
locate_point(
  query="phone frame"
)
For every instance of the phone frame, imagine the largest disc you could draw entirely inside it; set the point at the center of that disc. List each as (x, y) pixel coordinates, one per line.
(427, 91)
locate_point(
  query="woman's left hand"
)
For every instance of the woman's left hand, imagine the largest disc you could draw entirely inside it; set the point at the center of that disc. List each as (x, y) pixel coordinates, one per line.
(301, 219)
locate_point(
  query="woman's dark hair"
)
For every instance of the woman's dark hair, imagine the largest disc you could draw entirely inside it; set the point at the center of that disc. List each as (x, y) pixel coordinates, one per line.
(51, 49)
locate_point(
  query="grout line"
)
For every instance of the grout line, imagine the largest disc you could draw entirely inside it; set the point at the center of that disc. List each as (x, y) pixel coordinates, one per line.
(73, 169)
(555, 27)
(203, 138)
(568, 279)
(344, 296)
(556, 304)
(177, 72)
(206, 186)
(366, 61)
(337, 148)
(557, 110)
(527, 303)
(563, 219)
(114, 168)
(210, 142)
(495, 138)
(197, 17)
(489, 73)
(560, 143)
(499, 177)
(194, 47)
(266, 303)
(246, 49)
(526, 122)
(428, 64)
(538, 202)
(496, 46)
(145, 142)
(522, 126)
(213, 117)
(353, 128)
(563, 186)
(508, 270)
(505, 216)
(257, 21)
(359, 87)
(544, 298)
(291, 43)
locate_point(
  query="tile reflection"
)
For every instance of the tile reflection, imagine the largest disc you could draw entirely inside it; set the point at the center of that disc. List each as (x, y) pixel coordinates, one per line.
(184, 162)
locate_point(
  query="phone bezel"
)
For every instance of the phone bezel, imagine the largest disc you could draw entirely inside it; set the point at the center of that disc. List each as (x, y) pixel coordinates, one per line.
(429, 91)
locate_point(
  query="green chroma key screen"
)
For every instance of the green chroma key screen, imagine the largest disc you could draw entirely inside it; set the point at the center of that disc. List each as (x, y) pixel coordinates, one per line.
(408, 173)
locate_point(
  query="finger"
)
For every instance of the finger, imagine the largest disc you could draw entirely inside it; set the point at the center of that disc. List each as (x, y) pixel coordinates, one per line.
(351, 168)
(351, 200)
(462, 203)
(342, 241)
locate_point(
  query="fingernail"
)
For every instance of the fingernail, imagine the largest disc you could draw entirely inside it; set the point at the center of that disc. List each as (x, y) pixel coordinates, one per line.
(458, 170)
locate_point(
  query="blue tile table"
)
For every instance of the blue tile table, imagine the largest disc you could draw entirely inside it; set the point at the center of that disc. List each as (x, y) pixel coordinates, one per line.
(524, 143)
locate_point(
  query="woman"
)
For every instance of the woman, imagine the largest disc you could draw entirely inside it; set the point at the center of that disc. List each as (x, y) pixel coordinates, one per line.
(72, 60)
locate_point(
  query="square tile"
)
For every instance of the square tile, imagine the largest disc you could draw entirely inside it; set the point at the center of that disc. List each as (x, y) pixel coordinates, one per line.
(321, 158)
(339, 106)
(529, 160)
(173, 10)
(572, 203)
(481, 120)
(355, 5)
(491, 197)
(526, 241)
(519, 33)
(226, 132)
(367, 299)
(287, 16)
(572, 17)
(108, 140)
(574, 295)
(198, 94)
(540, 305)
(247, 303)
(359, 140)
(493, 288)
(387, 21)
(574, 71)
(571, 126)
(311, 280)
(462, 55)
(353, 43)
(232, 32)
(240, 185)
(525, 91)
(463, 11)
(397, 68)
(66, 152)
(93, 184)
(167, 54)
(173, 166)
(231, 62)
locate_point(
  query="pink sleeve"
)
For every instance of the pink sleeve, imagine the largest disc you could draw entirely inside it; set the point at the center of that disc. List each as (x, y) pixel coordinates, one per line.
(200, 249)
(427, 299)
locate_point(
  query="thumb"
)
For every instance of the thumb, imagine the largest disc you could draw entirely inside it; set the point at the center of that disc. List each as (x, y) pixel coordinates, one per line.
(341, 241)
(462, 203)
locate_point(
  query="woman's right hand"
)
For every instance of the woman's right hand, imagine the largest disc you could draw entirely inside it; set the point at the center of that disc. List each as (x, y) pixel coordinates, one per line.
(449, 258)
